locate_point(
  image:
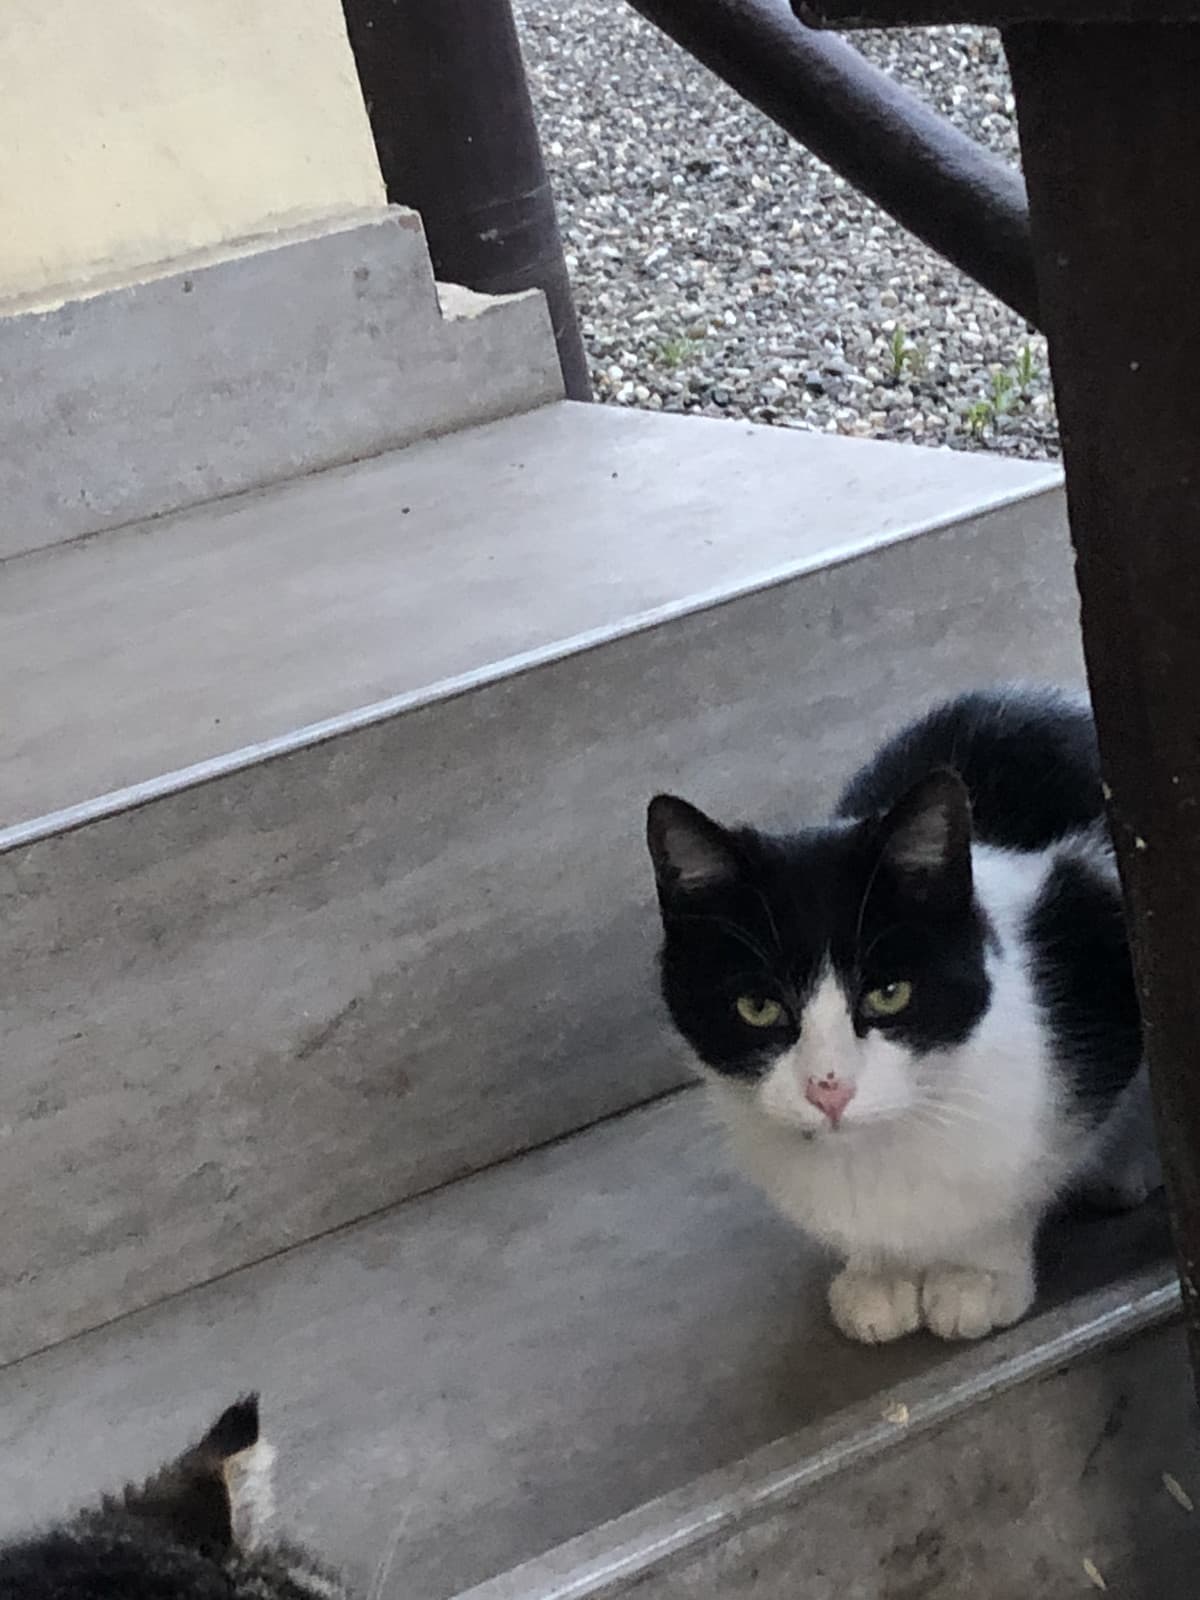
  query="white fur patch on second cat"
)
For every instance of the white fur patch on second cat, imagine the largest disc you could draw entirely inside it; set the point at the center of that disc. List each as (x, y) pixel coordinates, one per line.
(250, 1480)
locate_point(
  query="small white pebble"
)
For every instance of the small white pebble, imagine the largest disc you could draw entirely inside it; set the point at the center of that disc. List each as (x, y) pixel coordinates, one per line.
(896, 1412)
(1093, 1574)
(1177, 1492)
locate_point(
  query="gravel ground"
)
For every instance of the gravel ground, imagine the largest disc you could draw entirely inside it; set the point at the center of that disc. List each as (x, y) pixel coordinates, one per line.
(719, 268)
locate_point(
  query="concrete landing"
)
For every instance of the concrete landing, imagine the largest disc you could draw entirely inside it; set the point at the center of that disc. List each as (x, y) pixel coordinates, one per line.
(498, 1367)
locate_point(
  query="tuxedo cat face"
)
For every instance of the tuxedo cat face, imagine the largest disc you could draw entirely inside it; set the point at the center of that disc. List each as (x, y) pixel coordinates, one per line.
(828, 971)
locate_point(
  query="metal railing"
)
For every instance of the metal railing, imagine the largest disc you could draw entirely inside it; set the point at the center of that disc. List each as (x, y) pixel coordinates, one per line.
(456, 137)
(963, 201)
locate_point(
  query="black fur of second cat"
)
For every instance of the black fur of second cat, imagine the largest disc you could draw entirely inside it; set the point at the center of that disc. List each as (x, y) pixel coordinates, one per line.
(175, 1537)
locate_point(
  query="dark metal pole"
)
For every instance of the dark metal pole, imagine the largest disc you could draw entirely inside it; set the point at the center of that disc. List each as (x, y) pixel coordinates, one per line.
(449, 105)
(961, 200)
(1110, 133)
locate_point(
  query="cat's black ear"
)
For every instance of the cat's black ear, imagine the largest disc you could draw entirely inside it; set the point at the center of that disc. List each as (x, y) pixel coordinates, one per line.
(926, 839)
(217, 1493)
(690, 852)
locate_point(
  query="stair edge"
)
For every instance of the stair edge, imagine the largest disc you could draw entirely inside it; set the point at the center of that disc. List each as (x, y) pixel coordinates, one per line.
(615, 1557)
(131, 797)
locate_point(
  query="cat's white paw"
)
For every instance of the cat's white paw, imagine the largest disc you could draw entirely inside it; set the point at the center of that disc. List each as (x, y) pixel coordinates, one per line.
(874, 1307)
(964, 1303)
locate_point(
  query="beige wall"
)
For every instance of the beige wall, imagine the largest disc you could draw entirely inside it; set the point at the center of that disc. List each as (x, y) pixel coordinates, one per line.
(132, 131)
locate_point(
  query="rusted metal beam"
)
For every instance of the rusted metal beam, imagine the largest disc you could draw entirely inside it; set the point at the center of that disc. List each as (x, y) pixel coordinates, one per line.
(1110, 133)
(454, 128)
(959, 198)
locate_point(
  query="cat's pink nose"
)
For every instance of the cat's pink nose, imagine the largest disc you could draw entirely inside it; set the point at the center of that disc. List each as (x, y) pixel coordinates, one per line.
(829, 1095)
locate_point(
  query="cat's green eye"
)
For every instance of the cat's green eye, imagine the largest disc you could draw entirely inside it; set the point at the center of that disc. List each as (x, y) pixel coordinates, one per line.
(889, 1000)
(758, 1011)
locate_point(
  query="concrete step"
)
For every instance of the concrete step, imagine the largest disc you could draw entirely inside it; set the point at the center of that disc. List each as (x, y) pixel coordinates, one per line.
(322, 881)
(249, 365)
(1061, 1459)
(233, 631)
(486, 1372)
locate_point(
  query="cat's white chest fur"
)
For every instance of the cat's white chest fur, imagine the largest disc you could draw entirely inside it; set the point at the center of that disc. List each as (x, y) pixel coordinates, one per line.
(904, 1196)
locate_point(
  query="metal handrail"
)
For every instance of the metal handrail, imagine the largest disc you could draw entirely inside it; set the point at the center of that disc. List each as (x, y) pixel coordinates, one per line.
(454, 130)
(963, 201)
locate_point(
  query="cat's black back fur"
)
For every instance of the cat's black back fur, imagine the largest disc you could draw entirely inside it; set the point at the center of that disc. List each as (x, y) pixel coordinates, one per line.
(1028, 758)
(1083, 978)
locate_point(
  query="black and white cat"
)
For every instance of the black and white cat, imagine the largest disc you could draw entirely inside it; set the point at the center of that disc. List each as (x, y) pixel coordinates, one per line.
(919, 1021)
(196, 1530)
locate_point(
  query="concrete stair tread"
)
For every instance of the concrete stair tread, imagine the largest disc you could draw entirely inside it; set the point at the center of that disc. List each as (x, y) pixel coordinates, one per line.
(499, 1366)
(151, 649)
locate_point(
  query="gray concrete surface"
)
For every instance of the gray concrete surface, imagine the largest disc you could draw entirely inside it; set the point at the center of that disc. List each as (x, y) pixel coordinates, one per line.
(1063, 1459)
(308, 350)
(165, 645)
(271, 1003)
(485, 1372)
